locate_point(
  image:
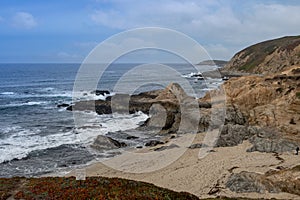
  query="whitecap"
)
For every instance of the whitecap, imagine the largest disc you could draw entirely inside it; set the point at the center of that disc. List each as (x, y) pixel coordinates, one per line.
(32, 103)
(47, 89)
(20, 144)
(23, 141)
(91, 125)
(29, 103)
(7, 93)
(192, 75)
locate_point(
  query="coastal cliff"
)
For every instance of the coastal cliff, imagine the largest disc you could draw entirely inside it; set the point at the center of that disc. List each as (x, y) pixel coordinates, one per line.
(270, 103)
(267, 57)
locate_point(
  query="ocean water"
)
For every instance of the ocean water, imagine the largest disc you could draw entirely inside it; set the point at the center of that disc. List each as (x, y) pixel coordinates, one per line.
(37, 137)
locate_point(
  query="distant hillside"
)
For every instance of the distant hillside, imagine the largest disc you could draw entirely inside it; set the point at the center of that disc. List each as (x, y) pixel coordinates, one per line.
(267, 57)
(220, 63)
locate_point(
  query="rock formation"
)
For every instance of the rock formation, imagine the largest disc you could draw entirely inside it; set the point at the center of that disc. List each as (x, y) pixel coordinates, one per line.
(284, 180)
(121, 103)
(262, 109)
(106, 143)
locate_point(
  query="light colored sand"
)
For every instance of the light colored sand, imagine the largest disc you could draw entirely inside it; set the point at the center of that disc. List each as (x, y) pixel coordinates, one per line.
(189, 173)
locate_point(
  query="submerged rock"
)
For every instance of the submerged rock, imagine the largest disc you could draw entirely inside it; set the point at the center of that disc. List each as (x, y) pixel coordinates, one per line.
(63, 105)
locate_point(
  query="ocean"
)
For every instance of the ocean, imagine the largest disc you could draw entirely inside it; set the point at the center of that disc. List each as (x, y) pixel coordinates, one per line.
(38, 137)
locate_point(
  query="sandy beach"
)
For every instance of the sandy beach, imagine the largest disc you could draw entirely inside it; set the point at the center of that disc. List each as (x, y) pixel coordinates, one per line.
(194, 175)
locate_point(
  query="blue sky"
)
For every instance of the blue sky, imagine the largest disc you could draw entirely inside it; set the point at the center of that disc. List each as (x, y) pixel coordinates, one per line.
(66, 31)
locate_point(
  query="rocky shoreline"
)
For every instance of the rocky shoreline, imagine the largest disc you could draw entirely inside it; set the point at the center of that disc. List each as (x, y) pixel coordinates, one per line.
(239, 124)
(249, 102)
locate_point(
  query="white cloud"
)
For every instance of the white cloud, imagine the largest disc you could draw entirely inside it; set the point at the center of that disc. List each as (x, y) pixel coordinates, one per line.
(109, 18)
(24, 20)
(145, 13)
(275, 18)
(218, 51)
(149, 44)
(229, 26)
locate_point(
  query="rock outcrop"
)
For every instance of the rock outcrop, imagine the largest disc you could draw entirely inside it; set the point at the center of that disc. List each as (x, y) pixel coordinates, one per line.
(174, 111)
(121, 103)
(270, 101)
(171, 110)
(267, 57)
(250, 182)
(234, 134)
(285, 180)
(262, 109)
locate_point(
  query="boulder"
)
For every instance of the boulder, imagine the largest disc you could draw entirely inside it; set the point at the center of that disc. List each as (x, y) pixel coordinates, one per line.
(198, 146)
(153, 143)
(131, 137)
(172, 146)
(274, 181)
(268, 145)
(245, 182)
(106, 143)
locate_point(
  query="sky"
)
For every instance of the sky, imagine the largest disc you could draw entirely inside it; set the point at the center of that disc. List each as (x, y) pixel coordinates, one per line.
(66, 31)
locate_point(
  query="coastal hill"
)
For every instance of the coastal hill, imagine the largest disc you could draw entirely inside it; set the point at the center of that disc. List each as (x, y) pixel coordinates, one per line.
(267, 57)
(220, 63)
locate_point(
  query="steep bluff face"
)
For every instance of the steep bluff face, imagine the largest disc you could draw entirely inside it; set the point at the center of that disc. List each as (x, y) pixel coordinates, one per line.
(271, 101)
(267, 57)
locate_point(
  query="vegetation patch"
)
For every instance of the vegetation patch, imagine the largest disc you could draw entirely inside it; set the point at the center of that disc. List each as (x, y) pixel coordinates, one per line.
(91, 188)
(256, 54)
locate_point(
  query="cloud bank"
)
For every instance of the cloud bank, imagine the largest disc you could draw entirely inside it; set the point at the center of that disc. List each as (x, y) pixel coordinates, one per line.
(221, 26)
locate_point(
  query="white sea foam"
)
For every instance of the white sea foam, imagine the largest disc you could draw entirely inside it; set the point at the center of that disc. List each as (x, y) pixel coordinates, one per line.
(192, 75)
(29, 103)
(20, 142)
(47, 89)
(7, 93)
(88, 96)
(91, 125)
